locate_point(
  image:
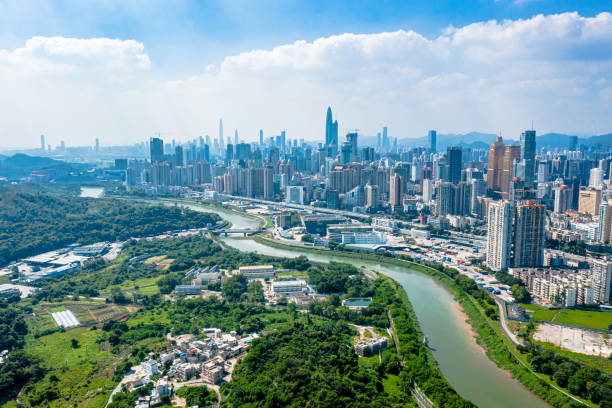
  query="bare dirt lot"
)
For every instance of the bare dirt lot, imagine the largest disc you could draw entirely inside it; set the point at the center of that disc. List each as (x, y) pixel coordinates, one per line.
(576, 340)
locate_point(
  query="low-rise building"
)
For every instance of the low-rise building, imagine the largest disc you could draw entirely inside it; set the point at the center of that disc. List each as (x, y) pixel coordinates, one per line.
(257, 271)
(188, 289)
(370, 347)
(289, 287)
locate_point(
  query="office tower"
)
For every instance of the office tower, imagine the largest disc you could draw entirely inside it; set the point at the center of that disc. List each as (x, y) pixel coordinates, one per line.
(261, 137)
(495, 166)
(543, 172)
(596, 176)
(378, 141)
(563, 197)
(529, 235)
(207, 152)
(589, 201)
(432, 141)
(463, 199)
(385, 138)
(371, 196)
(346, 153)
(97, 148)
(220, 133)
(284, 141)
(254, 182)
(235, 136)
(453, 156)
(479, 189)
(268, 175)
(528, 150)
(511, 154)
(179, 158)
(427, 190)
(396, 192)
(573, 141)
(352, 139)
(331, 134)
(208, 140)
(601, 276)
(499, 224)
(229, 153)
(42, 142)
(605, 222)
(445, 198)
(157, 150)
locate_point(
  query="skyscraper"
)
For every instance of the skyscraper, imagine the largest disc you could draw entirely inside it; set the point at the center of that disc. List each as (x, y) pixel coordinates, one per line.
(563, 198)
(432, 141)
(157, 150)
(605, 222)
(454, 164)
(371, 196)
(268, 175)
(236, 136)
(511, 153)
(528, 150)
(284, 141)
(42, 142)
(589, 201)
(445, 198)
(396, 193)
(331, 134)
(529, 235)
(499, 224)
(573, 141)
(220, 133)
(385, 139)
(261, 137)
(179, 158)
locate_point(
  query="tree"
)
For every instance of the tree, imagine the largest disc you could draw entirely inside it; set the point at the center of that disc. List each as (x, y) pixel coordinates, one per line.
(74, 343)
(234, 287)
(521, 294)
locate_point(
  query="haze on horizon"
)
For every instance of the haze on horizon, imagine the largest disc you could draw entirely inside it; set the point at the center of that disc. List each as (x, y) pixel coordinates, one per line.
(76, 75)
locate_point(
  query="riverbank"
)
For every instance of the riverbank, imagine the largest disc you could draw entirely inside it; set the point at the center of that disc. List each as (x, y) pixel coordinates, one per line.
(498, 350)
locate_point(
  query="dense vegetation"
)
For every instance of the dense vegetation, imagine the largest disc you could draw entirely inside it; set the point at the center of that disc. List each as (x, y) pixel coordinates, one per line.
(306, 364)
(31, 223)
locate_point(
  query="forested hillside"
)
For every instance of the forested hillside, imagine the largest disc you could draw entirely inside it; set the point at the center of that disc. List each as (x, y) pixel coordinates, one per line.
(36, 222)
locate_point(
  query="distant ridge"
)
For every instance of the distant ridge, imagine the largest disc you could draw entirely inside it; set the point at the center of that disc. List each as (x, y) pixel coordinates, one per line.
(479, 140)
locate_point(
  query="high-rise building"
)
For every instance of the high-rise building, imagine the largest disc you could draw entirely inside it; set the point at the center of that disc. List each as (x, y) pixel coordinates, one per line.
(295, 194)
(495, 165)
(371, 196)
(432, 141)
(331, 134)
(596, 177)
(453, 155)
(261, 142)
(601, 276)
(352, 139)
(573, 141)
(157, 150)
(511, 154)
(427, 190)
(97, 146)
(179, 158)
(396, 191)
(445, 198)
(346, 153)
(463, 199)
(528, 150)
(605, 221)
(563, 199)
(385, 139)
(268, 175)
(479, 189)
(221, 133)
(589, 201)
(284, 140)
(236, 136)
(42, 142)
(499, 224)
(529, 235)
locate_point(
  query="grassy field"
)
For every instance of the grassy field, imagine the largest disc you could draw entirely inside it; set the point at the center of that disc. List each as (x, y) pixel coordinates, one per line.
(600, 363)
(144, 286)
(81, 374)
(576, 317)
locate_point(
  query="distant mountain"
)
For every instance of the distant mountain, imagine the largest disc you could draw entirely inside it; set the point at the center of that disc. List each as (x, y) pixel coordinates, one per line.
(479, 140)
(21, 165)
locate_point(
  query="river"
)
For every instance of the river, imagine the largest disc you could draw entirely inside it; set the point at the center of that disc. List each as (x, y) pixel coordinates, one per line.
(462, 361)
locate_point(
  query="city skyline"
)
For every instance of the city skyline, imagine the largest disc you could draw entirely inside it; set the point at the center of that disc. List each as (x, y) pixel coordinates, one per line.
(78, 85)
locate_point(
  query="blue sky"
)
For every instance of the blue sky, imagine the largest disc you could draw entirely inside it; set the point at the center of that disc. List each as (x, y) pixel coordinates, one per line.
(122, 70)
(182, 36)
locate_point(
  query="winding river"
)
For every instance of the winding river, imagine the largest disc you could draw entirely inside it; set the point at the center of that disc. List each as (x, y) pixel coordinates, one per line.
(462, 361)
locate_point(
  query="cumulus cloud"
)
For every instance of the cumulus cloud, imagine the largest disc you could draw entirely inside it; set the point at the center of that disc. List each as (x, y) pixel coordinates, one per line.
(553, 69)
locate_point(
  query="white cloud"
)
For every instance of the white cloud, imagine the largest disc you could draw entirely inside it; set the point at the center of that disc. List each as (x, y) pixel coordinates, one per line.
(486, 76)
